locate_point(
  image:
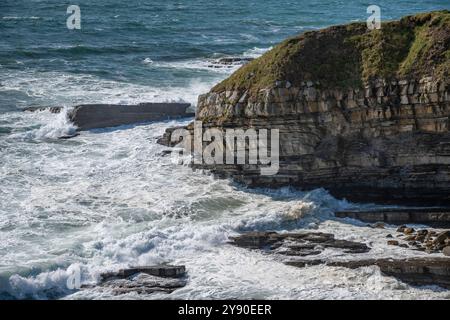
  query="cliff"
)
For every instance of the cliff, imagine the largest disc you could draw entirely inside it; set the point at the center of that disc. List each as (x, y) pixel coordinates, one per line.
(364, 114)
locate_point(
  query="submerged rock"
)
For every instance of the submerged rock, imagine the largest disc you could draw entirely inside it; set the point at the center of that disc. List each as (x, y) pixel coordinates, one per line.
(143, 283)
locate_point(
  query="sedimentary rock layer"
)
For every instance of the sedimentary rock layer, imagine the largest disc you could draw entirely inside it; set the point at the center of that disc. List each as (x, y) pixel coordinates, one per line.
(436, 217)
(364, 114)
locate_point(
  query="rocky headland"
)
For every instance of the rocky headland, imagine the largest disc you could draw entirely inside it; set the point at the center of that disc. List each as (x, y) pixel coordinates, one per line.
(362, 113)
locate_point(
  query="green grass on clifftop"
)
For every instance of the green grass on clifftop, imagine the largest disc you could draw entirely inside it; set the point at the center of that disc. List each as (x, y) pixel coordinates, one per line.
(351, 55)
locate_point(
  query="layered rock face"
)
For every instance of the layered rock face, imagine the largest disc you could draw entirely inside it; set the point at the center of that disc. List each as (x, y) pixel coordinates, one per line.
(364, 114)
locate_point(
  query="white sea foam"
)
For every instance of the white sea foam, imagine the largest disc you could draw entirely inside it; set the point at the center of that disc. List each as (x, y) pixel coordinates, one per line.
(55, 88)
(106, 200)
(256, 52)
(51, 126)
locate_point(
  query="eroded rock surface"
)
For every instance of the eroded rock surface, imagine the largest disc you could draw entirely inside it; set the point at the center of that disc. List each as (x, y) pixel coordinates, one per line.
(416, 271)
(144, 280)
(364, 128)
(302, 247)
(95, 116)
(436, 217)
(296, 244)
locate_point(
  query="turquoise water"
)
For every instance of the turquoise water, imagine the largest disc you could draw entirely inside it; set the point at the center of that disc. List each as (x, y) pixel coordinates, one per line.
(108, 199)
(157, 44)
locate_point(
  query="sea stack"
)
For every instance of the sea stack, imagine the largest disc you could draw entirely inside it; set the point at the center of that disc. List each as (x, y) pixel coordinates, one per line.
(363, 113)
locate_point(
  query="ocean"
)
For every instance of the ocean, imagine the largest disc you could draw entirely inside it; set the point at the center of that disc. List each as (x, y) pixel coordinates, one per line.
(108, 199)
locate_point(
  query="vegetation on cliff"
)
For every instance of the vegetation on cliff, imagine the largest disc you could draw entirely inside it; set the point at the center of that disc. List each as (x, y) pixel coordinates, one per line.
(351, 55)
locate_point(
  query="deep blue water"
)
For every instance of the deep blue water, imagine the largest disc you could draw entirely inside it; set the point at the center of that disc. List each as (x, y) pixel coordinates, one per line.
(163, 45)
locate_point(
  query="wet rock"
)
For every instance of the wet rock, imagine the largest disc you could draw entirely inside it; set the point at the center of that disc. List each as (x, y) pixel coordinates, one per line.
(95, 116)
(165, 153)
(378, 225)
(408, 230)
(393, 243)
(165, 271)
(416, 271)
(389, 236)
(142, 283)
(442, 237)
(144, 280)
(296, 244)
(446, 251)
(234, 60)
(436, 217)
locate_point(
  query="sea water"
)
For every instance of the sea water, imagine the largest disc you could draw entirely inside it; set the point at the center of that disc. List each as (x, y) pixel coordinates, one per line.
(109, 199)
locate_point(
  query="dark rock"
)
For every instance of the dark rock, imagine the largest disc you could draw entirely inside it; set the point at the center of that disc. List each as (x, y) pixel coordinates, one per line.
(389, 236)
(69, 136)
(234, 60)
(446, 251)
(165, 271)
(393, 243)
(378, 225)
(95, 116)
(144, 280)
(438, 217)
(441, 237)
(422, 233)
(50, 109)
(296, 244)
(165, 153)
(417, 271)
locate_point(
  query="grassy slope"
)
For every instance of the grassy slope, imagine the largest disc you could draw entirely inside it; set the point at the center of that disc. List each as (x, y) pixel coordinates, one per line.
(348, 56)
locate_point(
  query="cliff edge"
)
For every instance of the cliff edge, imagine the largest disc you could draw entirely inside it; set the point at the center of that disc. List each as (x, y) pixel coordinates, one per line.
(364, 114)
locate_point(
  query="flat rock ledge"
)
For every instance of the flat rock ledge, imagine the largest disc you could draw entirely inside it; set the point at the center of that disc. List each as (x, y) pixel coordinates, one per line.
(296, 244)
(97, 116)
(434, 216)
(144, 280)
(416, 271)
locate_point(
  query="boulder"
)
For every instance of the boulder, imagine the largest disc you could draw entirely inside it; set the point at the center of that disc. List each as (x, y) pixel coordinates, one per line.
(446, 251)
